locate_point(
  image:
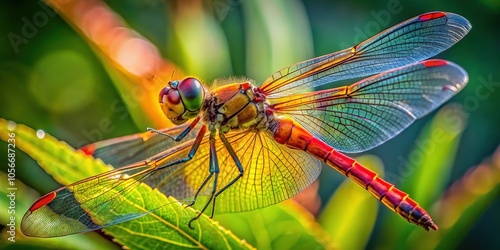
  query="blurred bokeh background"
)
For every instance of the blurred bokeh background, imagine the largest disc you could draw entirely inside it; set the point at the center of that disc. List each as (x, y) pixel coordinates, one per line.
(52, 79)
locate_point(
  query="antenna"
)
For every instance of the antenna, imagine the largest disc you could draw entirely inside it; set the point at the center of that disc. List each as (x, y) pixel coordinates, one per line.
(161, 81)
(173, 72)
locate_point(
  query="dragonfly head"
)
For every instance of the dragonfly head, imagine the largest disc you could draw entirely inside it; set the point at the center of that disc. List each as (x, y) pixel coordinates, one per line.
(182, 100)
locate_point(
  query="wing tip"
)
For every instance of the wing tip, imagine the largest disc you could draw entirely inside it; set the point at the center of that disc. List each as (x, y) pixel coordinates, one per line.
(452, 18)
(457, 75)
(459, 78)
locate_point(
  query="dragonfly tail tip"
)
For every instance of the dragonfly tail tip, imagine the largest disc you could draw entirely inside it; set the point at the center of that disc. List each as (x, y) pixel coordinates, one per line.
(430, 225)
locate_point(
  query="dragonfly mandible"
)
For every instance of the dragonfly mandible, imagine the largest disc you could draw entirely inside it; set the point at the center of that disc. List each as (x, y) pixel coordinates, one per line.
(247, 146)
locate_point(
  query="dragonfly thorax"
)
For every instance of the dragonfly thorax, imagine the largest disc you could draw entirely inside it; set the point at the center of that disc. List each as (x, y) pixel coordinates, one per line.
(235, 106)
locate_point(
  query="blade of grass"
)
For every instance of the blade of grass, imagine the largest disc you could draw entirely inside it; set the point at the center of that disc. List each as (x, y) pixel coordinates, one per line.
(425, 172)
(278, 35)
(130, 59)
(350, 214)
(201, 41)
(462, 204)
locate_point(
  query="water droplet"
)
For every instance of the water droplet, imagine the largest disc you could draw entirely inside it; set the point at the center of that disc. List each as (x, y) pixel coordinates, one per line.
(40, 134)
(11, 125)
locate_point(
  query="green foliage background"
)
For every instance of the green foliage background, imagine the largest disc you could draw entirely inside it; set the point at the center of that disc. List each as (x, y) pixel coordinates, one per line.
(75, 97)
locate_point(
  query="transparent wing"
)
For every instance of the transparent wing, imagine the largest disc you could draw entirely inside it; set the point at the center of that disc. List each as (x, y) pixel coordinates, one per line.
(272, 172)
(365, 114)
(87, 205)
(408, 42)
(126, 150)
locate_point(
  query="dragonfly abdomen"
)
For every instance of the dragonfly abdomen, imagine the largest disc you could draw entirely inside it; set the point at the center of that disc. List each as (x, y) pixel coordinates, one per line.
(395, 199)
(291, 134)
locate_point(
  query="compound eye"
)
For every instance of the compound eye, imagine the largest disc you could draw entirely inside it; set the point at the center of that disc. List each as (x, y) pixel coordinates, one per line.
(163, 94)
(192, 93)
(170, 102)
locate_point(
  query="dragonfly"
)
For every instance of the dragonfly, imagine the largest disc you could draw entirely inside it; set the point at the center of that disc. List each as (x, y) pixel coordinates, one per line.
(244, 146)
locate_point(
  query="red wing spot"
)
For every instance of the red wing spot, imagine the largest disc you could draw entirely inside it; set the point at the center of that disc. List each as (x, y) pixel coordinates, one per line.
(43, 201)
(434, 63)
(431, 15)
(89, 149)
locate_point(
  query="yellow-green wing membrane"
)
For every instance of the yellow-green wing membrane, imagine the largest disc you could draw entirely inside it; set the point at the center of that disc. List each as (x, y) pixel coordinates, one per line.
(272, 172)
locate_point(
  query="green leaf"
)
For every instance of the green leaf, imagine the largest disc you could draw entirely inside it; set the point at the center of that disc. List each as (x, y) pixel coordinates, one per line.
(437, 145)
(350, 214)
(278, 34)
(193, 39)
(166, 227)
(23, 197)
(282, 226)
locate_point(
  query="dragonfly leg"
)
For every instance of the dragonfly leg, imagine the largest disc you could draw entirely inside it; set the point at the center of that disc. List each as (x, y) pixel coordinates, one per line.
(238, 165)
(199, 189)
(192, 151)
(182, 134)
(214, 170)
(190, 155)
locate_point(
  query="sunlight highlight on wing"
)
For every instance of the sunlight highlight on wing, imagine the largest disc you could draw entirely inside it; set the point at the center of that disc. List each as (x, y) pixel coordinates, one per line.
(365, 114)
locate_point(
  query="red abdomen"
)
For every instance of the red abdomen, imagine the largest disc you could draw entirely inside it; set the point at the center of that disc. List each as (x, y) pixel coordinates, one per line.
(291, 134)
